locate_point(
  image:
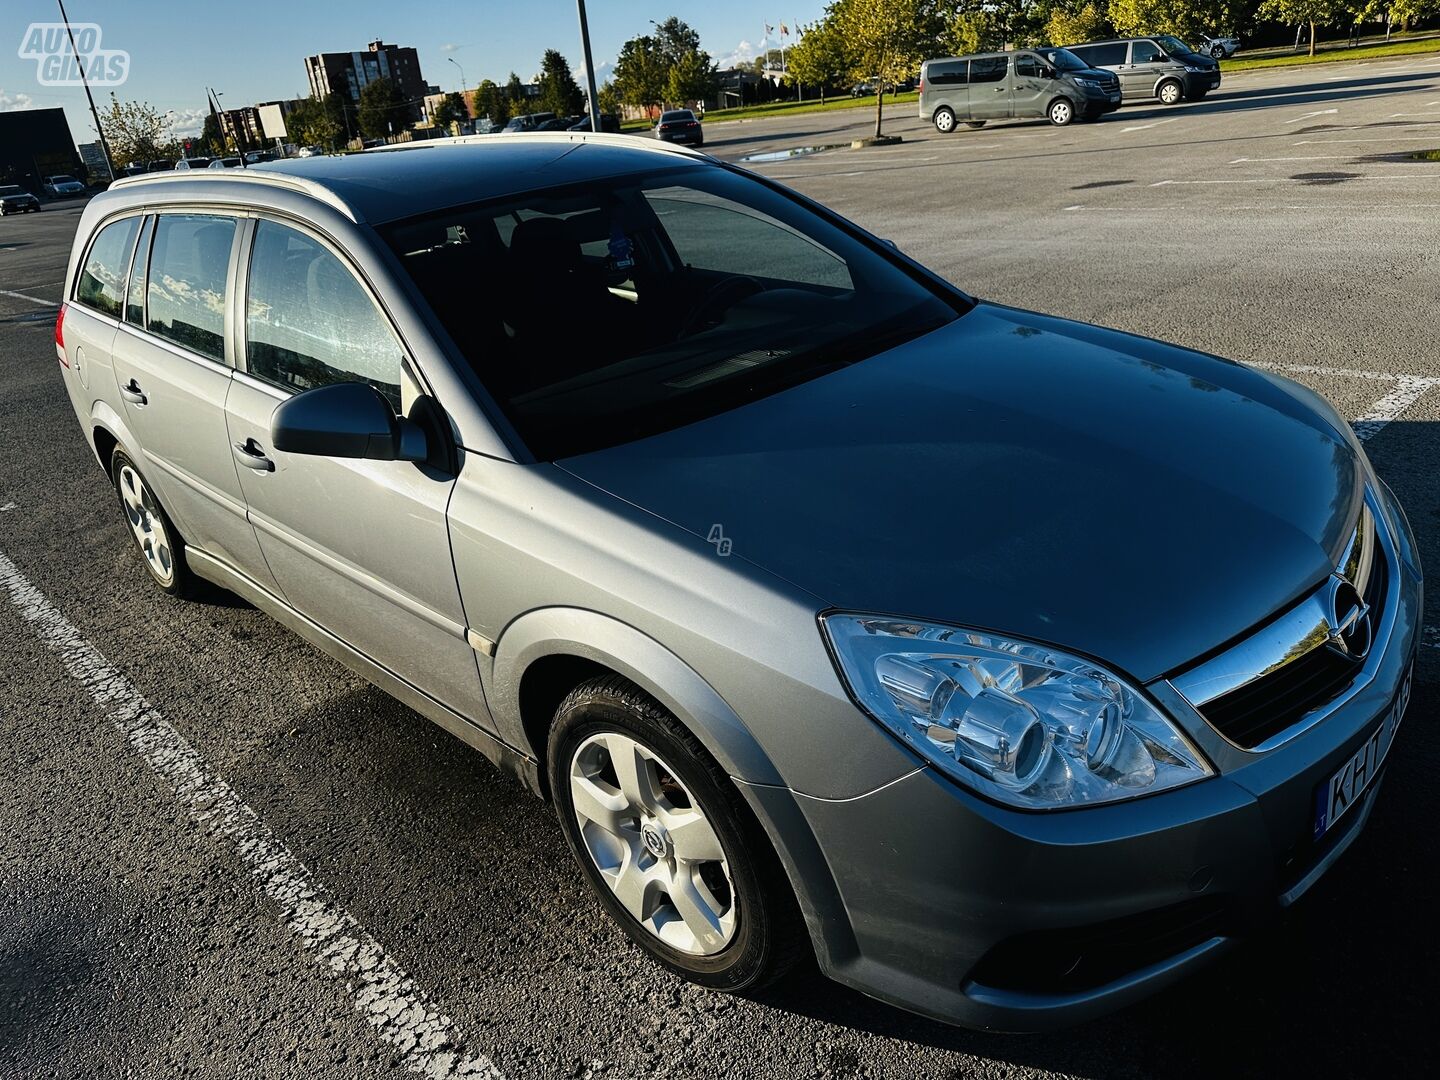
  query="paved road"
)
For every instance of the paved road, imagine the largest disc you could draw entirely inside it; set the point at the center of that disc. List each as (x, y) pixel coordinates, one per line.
(140, 931)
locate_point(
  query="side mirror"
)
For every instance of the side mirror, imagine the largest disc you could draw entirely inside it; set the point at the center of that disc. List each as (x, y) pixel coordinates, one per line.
(346, 420)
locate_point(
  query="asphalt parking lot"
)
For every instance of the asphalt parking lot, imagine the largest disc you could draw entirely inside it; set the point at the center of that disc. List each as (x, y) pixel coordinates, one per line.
(223, 855)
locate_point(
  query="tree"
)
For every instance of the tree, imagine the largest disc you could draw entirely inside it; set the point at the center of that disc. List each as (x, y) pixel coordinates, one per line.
(887, 40)
(134, 130)
(383, 110)
(820, 57)
(676, 40)
(692, 78)
(559, 92)
(451, 109)
(211, 137)
(642, 74)
(317, 121)
(609, 99)
(1294, 12)
(1075, 23)
(1187, 19)
(514, 91)
(490, 100)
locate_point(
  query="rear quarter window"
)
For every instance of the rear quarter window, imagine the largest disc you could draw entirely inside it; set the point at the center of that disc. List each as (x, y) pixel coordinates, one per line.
(102, 280)
(1112, 55)
(951, 73)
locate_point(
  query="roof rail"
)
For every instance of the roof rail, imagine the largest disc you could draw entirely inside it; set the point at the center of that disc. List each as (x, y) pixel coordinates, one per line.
(609, 138)
(251, 175)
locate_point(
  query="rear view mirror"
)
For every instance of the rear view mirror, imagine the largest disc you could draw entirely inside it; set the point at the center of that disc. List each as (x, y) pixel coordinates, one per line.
(346, 420)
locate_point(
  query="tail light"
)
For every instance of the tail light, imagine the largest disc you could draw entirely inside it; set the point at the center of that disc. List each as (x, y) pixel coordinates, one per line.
(60, 337)
(921, 86)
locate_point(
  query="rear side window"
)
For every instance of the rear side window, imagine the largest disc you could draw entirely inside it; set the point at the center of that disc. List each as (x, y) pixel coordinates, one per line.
(1112, 55)
(988, 69)
(1144, 52)
(947, 74)
(135, 294)
(102, 282)
(1027, 65)
(309, 323)
(185, 293)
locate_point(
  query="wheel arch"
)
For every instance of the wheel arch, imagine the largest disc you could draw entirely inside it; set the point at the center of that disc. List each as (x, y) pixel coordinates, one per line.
(1074, 112)
(108, 430)
(545, 653)
(1170, 79)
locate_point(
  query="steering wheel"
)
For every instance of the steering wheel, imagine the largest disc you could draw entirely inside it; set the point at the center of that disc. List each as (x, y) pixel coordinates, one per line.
(725, 293)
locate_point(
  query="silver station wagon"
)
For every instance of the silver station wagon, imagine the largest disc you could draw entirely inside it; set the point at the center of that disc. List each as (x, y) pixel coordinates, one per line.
(1010, 666)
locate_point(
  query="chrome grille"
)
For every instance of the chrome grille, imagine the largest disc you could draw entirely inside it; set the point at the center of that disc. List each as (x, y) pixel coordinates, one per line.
(1255, 692)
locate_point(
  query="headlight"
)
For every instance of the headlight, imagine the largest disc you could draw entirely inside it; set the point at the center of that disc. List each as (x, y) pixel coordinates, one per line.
(1091, 83)
(1024, 724)
(1196, 70)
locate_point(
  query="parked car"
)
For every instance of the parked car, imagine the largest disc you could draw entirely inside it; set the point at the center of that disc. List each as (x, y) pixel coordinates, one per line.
(57, 186)
(185, 164)
(1008, 754)
(1147, 69)
(160, 165)
(16, 200)
(680, 126)
(608, 122)
(135, 168)
(556, 123)
(225, 163)
(528, 122)
(1052, 83)
(1219, 47)
(256, 157)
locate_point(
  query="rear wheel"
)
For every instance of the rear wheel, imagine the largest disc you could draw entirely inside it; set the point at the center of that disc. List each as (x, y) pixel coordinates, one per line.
(1170, 92)
(161, 550)
(944, 120)
(666, 842)
(1061, 112)
(1217, 51)
(975, 124)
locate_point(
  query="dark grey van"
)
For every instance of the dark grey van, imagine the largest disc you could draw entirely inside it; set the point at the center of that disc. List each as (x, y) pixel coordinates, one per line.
(999, 86)
(1152, 68)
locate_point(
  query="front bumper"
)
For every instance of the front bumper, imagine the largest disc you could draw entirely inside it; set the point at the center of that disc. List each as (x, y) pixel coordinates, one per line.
(972, 913)
(1199, 83)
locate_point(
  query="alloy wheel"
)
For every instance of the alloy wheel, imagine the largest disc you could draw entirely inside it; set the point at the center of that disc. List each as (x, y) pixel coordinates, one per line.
(653, 844)
(147, 525)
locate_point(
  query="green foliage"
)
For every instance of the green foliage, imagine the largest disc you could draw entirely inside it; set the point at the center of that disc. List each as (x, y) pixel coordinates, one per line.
(666, 66)
(1186, 19)
(451, 109)
(641, 73)
(692, 78)
(515, 91)
(134, 130)
(1316, 13)
(609, 99)
(383, 110)
(492, 101)
(886, 40)
(820, 58)
(559, 92)
(211, 138)
(1077, 23)
(316, 122)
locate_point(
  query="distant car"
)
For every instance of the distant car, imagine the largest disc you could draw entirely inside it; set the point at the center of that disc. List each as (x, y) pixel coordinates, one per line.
(193, 163)
(63, 185)
(608, 122)
(867, 88)
(160, 165)
(225, 163)
(1219, 47)
(255, 157)
(16, 200)
(310, 151)
(680, 126)
(1162, 67)
(529, 122)
(558, 123)
(135, 168)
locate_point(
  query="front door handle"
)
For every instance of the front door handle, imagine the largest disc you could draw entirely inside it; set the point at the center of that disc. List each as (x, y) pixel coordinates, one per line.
(132, 393)
(252, 456)
(999, 89)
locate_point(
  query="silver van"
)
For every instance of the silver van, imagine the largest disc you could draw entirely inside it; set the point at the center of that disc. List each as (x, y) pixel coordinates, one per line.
(1162, 68)
(1013, 85)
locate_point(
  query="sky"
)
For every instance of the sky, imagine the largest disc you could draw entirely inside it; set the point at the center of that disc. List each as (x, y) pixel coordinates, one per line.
(254, 50)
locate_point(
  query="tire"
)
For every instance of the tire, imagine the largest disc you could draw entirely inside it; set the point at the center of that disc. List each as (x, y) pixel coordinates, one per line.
(157, 542)
(974, 125)
(1217, 51)
(1170, 92)
(1061, 112)
(944, 119)
(745, 929)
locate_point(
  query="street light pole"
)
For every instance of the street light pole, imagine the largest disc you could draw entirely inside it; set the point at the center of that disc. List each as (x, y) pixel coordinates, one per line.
(594, 99)
(85, 82)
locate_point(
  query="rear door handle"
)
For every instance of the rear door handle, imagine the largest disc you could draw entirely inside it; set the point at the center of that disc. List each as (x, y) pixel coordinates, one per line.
(132, 393)
(252, 456)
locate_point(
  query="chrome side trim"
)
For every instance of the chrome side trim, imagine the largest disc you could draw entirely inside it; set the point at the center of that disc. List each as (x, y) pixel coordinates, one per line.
(1302, 629)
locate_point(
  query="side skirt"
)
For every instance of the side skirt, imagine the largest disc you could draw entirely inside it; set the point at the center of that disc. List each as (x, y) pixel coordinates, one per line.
(506, 757)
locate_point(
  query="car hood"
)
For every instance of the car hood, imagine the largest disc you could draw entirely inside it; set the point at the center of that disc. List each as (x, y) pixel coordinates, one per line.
(1198, 60)
(1055, 481)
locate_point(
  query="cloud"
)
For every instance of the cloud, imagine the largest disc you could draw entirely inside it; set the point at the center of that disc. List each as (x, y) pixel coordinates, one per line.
(186, 123)
(603, 71)
(743, 53)
(11, 102)
(450, 47)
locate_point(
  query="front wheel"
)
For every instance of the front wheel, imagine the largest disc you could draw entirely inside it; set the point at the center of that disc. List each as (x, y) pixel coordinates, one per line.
(666, 843)
(1217, 51)
(1170, 92)
(944, 120)
(1061, 112)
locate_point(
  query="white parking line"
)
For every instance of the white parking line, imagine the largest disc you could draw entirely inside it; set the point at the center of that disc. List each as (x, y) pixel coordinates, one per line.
(1392, 138)
(32, 299)
(1308, 115)
(426, 1041)
(1301, 179)
(1145, 127)
(1407, 390)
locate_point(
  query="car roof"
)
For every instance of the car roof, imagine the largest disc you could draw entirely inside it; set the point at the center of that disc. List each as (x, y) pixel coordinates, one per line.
(389, 183)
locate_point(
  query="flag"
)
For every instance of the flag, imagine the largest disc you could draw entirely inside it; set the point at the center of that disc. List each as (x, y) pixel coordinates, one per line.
(784, 30)
(769, 29)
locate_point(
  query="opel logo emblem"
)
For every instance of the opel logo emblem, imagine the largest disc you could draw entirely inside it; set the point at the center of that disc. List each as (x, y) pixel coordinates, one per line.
(655, 841)
(1350, 632)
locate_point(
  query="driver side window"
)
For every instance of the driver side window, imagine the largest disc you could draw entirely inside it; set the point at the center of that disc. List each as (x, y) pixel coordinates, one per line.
(712, 233)
(1144, 52)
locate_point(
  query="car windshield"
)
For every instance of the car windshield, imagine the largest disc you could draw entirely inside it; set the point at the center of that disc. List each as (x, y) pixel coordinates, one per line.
(1065, 60)
(621, 308)
(63, 180)
(11, 189)
(1173, 45)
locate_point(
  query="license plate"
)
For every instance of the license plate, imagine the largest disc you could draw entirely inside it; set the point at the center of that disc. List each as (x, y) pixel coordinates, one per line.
(1347, 786)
